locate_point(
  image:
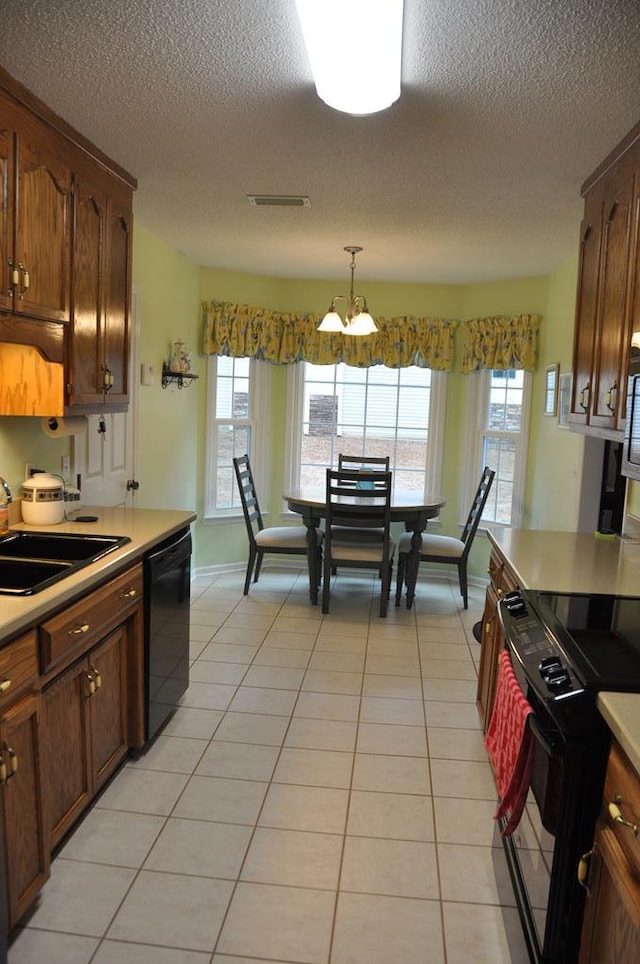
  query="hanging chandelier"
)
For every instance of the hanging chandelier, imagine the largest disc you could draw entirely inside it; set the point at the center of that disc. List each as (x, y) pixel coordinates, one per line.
(357, 319)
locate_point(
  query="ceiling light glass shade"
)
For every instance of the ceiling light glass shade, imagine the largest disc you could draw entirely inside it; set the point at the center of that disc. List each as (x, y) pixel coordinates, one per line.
(331, 322)
(368, 80)
(357, 321)
(361, 324)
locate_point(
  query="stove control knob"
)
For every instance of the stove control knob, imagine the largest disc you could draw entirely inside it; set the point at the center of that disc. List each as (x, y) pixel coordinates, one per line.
(548, 663)
(557, 678)
(515, 605)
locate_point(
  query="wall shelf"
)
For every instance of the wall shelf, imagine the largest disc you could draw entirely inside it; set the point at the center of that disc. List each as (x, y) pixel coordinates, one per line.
(181, 379)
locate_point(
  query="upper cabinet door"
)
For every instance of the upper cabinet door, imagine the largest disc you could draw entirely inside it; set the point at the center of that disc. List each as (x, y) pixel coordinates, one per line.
(84, 342)
(43, 222)
(611, 349)
(98, 337)
(117, 336)
(586, 307)
(6, 217)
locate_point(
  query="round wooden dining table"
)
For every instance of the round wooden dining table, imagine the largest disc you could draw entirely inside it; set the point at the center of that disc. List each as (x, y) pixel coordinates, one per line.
(413, 509)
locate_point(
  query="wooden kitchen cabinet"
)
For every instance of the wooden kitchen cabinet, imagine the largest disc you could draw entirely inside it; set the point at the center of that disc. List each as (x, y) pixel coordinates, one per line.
(97, 355)
(93, 705)
(501, 581)
(25, 839)
(611, 927)
(38, 208)
(606, 277)
(65, 259)
(88, 704)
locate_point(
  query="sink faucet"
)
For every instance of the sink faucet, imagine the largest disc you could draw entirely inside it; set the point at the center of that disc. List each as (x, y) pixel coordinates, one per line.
(5, 486)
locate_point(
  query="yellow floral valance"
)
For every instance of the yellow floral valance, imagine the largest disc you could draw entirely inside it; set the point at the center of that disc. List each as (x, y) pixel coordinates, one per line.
(246, 331)
(500, 343)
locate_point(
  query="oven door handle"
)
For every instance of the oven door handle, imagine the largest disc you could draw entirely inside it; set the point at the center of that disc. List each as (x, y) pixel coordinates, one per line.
(549, 746)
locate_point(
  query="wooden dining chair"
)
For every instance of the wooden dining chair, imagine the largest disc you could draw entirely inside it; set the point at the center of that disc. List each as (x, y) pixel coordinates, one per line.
(361, 464)
(291, 540)
(447, 549)
(349, 507)
(364, 463)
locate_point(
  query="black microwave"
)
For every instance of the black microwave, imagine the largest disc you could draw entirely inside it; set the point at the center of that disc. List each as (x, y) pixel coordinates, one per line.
(631, 449)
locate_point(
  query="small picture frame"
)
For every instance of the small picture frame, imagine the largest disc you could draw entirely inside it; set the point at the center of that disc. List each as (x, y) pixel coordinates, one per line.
(564, 399)
(551, 390)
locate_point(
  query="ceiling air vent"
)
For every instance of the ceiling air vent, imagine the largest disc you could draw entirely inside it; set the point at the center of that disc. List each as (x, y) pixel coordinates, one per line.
(279, 200)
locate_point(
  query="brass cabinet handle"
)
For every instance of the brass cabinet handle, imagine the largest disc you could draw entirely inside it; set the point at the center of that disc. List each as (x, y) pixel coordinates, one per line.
(129, 594)
(92, 683)
(13, 761)
(107, 379)
(97, 676)
(15, 277)
(7, 772)
(585, 391)
(26, 280)
(608, 398)
(79, 630)
(617, 816)
(583, 869)
(5, 686)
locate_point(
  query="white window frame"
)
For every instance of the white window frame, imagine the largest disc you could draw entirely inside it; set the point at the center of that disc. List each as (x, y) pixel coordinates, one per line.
(293, 437)
(258, 423)
(478, 404)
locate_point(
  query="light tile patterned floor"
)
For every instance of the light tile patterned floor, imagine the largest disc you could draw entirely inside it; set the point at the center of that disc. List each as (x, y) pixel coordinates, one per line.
(322, 796)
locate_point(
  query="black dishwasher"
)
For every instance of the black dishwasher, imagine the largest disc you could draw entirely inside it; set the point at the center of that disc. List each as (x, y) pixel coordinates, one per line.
(167, 587)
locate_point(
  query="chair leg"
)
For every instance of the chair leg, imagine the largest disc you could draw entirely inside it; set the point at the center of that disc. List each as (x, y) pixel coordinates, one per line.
(319, 564)
(400, 577)
(250, 564)
(462, 576)
(326, 582)
(385, 589)
(259, 559)
(326, 586)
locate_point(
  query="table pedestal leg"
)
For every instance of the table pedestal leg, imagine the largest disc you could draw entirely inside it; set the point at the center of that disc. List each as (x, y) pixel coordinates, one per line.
(413, 562)
(312, 524)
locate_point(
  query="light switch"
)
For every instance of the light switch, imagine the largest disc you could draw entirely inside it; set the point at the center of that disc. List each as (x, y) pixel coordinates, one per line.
(147, 374)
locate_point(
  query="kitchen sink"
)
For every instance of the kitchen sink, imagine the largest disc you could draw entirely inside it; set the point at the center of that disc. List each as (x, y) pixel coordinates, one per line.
(32, 561)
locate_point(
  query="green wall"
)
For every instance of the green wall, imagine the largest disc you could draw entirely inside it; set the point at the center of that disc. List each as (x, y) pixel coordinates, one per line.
(170, 419)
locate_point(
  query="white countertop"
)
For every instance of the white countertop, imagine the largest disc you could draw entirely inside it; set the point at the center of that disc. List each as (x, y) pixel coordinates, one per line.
(621, 711)
(571, 561)
(144, 527)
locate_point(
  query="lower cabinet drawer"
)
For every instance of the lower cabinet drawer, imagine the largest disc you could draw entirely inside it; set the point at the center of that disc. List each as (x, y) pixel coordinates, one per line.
(68, 635)
(622, 789)
(18, 665)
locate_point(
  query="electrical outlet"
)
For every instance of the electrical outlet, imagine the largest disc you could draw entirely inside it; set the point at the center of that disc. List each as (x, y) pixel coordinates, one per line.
(65, 465)
(27, 469)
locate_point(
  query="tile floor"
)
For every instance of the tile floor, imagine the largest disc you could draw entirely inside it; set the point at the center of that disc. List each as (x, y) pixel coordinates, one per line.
(322, 796)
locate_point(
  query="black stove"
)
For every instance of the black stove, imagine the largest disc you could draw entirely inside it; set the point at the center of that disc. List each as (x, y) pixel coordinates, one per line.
(565, 649)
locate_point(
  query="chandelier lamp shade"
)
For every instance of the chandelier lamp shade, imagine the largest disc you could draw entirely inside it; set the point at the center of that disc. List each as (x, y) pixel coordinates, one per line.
(357, 319)
(367, 80)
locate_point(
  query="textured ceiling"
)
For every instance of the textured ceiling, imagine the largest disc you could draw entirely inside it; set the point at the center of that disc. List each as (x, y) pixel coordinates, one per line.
(474, 174)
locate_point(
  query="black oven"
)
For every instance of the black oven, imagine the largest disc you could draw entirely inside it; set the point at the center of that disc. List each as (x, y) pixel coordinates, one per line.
(564, 650)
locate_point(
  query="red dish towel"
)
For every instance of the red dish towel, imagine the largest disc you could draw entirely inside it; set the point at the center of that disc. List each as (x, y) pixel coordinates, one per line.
(510, 744)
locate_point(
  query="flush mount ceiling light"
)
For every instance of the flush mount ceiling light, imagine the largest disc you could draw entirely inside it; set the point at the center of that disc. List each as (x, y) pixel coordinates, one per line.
(357, 321)
(367, 79)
